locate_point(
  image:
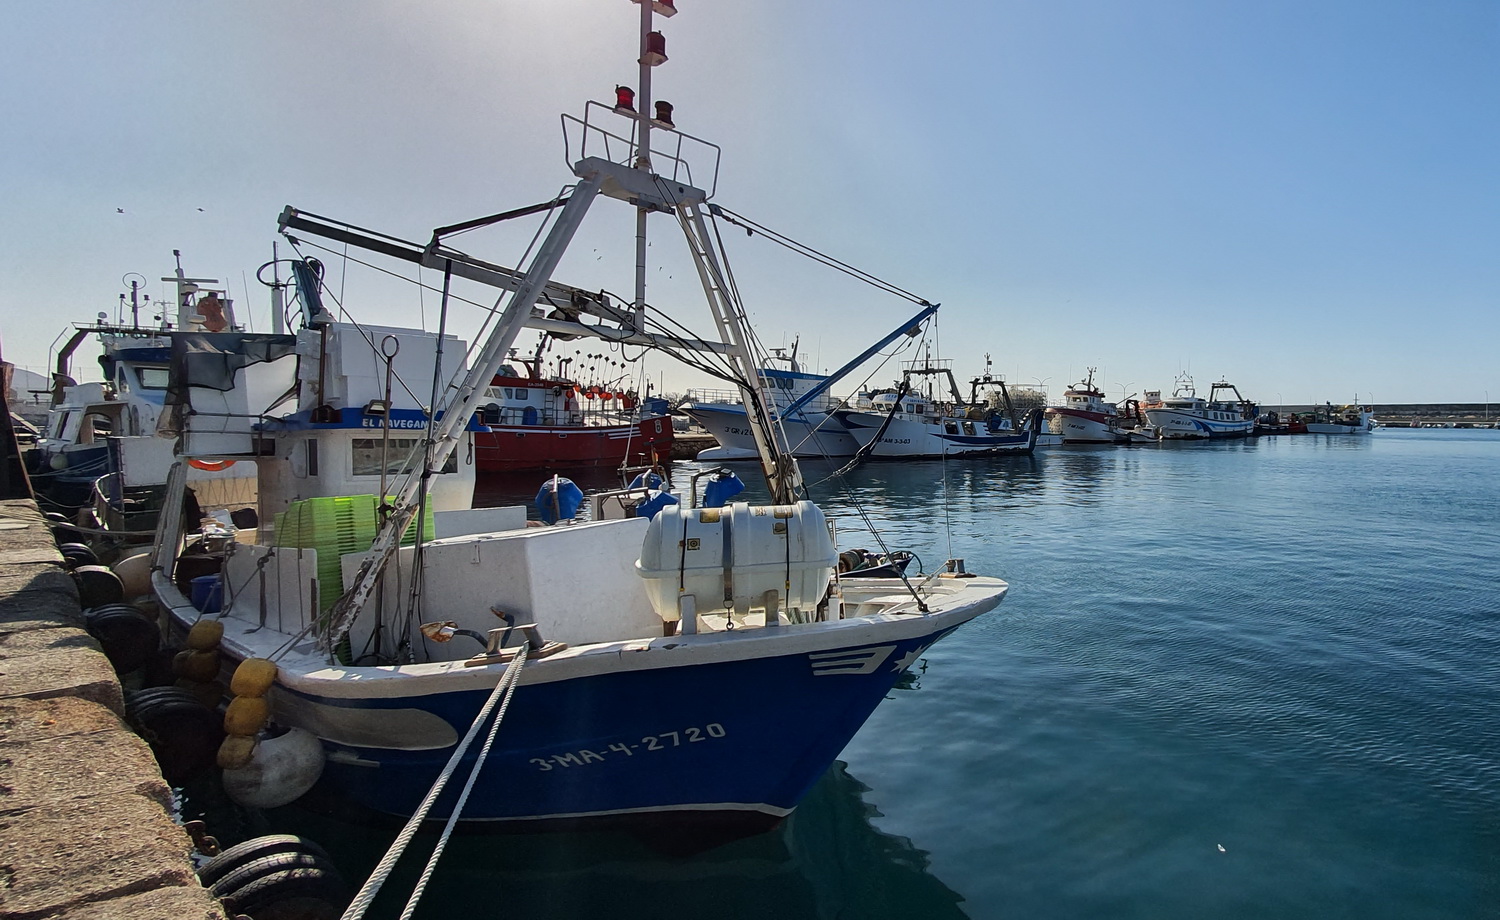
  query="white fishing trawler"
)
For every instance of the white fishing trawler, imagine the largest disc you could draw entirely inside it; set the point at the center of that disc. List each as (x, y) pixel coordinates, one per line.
(801, 405)
(702, 665)
(98, 453)
(1187, 416)
(926, 416)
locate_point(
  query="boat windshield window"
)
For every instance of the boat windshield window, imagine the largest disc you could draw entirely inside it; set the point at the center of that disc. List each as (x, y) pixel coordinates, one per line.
(153, 378)
(404, 453)
(59, 424)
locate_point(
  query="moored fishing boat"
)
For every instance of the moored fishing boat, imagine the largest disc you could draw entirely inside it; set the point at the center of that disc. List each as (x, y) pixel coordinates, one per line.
(1084, 417)
(1187, 416)
(99, 453)
(1351, 419)
(702, 665)
(549, 421)
(801, 405)
(912, 421)
(811, 432)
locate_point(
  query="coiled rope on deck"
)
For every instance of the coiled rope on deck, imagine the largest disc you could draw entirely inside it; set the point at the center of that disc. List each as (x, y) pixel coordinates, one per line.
(504, 687)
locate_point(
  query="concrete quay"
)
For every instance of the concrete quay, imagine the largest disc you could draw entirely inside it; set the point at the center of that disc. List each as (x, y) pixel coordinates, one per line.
(85, 816)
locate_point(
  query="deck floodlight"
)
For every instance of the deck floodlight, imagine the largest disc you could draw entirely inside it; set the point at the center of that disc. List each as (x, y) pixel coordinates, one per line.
(664, 113)
(624, 99)
(667, 8)
(377, 407)
(656, 50)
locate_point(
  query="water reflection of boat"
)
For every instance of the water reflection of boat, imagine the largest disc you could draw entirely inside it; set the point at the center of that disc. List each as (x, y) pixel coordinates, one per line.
(827, 860)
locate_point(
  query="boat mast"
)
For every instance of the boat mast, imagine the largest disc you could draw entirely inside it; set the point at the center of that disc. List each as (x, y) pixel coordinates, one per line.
(647, 60)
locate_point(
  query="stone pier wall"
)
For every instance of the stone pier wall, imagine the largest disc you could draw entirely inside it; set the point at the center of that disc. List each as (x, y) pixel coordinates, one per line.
(85, 826)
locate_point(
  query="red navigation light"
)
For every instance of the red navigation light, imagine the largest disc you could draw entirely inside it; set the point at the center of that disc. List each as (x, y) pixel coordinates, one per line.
(664, 113)
(656, 50)
(624, 98)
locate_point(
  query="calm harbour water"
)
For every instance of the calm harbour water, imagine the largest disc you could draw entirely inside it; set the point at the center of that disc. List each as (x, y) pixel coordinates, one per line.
(1239, 679)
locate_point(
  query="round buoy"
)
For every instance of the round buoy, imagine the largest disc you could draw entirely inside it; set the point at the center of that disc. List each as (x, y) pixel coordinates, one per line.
(256, 848)
(76, 554)
(134, 573)
(129, 638)
(97, 586)
(281, 770)
(183, 733)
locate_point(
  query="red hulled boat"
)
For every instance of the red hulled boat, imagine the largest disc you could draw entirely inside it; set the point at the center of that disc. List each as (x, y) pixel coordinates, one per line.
(547, 423)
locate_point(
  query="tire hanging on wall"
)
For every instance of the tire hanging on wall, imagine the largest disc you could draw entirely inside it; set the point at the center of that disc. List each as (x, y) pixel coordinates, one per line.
(277, 877)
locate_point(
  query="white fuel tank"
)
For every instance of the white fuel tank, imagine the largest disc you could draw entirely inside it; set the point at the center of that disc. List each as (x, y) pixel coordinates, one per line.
(736, 557)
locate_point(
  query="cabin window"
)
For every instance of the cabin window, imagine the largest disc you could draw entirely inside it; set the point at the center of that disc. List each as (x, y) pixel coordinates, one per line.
(95, 426)
(968, 428)
(402, 455)
(312, 456)
(950, 427)
(153, 378)
(521, 394)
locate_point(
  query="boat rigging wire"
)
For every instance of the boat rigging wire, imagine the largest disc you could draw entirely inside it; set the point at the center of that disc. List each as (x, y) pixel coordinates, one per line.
(751, 227)
(504, 687)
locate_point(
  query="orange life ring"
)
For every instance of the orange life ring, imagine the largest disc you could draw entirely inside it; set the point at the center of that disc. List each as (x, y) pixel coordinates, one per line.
(210, 466)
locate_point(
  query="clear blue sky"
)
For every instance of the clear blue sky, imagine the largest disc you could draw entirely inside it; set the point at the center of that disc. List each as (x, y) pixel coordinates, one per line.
(1301, 197)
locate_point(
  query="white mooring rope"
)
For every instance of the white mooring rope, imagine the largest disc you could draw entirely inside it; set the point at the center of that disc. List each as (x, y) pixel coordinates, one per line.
(505, 686)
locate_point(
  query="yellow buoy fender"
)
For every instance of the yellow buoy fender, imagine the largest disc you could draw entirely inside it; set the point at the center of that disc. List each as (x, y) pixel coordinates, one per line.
(196, 665)
(253, 677)
(236, 751)
(246, 715)
(281, 770)
(205, 635)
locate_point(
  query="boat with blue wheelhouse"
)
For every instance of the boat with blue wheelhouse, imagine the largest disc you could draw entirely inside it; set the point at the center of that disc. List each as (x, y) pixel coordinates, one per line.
(652, 660)
(812, 432)
(98, 451)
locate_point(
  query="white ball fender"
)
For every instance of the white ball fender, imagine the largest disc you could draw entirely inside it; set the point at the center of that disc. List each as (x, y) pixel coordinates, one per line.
(281, 771)
(134, 573)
